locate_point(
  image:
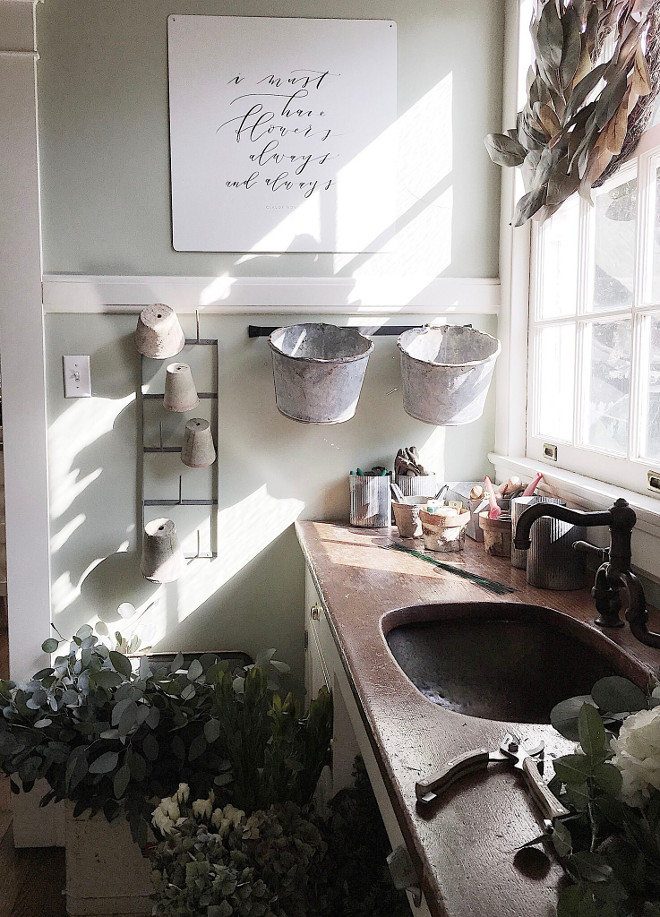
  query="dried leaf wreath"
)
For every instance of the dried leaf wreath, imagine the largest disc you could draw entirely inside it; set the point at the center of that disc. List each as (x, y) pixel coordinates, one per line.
(586, 109)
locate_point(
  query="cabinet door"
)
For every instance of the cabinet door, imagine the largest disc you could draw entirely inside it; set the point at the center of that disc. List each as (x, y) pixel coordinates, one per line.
(316, 674)
(316, 669)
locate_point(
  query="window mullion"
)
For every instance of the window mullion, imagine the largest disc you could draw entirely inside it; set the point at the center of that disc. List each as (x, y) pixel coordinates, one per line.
(641, 288)
(584, 296)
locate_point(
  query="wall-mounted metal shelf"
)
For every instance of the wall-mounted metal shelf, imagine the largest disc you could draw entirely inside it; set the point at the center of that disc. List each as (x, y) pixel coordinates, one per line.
(161, 448)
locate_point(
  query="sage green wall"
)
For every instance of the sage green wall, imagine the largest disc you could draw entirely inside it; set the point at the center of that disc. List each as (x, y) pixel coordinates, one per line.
(105, 134)
(105, 198)
(270, 471)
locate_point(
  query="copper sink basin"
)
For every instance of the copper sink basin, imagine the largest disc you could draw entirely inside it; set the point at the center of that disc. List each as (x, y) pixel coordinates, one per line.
(502, 660)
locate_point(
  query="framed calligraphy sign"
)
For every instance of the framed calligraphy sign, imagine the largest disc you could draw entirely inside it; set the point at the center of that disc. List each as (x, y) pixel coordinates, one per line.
(282, 133)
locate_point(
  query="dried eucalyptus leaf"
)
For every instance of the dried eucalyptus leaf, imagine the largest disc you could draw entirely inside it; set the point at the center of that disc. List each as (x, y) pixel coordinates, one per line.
(529, 168)
(615, 134)
(584, 67)
(641, 81)
(561, 183)
(528, 205)
(583, 88)
(549, 120)
(572, 46)
(549, 36)
(610, 98)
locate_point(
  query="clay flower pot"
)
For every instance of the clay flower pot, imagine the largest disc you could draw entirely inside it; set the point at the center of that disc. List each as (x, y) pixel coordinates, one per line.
(198, 450)
(158, 334)
(162, 557)
(180, 392)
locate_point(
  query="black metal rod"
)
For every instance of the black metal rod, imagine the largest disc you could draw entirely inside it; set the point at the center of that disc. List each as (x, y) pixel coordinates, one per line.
(262, 331)
(179, 502)
(162, 448)
(161, 395)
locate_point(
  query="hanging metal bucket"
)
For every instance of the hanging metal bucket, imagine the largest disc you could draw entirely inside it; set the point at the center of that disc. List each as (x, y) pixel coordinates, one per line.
(318, 371)
(446, 372)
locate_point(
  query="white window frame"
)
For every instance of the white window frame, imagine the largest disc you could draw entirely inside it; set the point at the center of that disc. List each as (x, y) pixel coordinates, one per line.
(584, 490)
(631, 471)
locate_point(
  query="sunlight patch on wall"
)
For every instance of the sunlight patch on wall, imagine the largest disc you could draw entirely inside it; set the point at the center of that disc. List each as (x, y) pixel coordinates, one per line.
(59, 539)
(423, 140)
(244, 531)
(432, 451)
(80, 426)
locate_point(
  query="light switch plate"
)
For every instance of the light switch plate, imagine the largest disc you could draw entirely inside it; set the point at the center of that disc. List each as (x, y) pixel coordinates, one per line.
(77, 376)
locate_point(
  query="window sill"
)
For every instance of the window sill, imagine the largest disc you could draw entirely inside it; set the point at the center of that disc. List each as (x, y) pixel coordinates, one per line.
(590, 494)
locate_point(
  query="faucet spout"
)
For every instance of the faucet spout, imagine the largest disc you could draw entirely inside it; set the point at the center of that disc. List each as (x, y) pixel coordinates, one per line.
(523, 542)
(614, 575)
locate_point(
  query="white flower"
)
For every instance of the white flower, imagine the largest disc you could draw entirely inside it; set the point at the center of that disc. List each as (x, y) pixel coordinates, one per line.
(182, 793)
(202, 808)
(161, 821)
(637, 755)
(217, 819)
(233, 815)
(226, 819)
(170, 807)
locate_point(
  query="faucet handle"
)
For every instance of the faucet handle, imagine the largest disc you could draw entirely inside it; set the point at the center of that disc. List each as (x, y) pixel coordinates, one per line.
(607, 598)
(585, 547)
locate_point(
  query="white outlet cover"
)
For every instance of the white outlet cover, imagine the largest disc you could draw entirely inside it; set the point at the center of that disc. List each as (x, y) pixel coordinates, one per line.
(77, 376)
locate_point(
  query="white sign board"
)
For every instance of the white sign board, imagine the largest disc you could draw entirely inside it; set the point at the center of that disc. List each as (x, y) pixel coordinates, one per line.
(281, 133)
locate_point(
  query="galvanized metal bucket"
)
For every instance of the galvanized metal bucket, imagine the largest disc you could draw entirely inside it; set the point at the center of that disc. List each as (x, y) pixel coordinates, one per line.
(417, 484)
(370, 501)
(318, 370)
(552, 562)
(446, 372)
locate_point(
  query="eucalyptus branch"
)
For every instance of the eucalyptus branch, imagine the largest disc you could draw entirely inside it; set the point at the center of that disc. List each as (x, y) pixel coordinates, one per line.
(582, 102)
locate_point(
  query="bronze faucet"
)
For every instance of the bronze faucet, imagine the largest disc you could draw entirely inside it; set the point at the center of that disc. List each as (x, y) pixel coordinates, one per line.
(614, 573)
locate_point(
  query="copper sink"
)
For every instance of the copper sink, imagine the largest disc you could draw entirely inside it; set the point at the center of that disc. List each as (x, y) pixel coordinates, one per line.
(503, 661)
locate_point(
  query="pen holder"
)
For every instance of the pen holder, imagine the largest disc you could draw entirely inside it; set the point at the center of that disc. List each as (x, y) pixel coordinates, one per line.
(370, 501)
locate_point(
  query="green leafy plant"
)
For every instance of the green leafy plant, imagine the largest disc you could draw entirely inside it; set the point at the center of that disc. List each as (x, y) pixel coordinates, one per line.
(283, 860)
(582, 105)
(114, 735)
(223, 862)
(609, 845)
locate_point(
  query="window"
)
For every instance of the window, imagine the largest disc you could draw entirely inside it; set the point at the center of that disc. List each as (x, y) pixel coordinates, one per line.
(594, 334)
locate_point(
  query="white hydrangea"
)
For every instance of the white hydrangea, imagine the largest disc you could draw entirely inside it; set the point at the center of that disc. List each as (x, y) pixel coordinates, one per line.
(162, 821)
(233, 815)
(226, 819)
(202, 808)
(170, 807)
(637, 755)
(183, 793)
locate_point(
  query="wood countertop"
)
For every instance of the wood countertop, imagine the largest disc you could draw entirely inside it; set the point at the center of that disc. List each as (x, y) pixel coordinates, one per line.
(466, 844)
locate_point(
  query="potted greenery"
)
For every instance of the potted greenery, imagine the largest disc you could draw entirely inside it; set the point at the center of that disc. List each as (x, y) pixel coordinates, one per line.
(114, 735)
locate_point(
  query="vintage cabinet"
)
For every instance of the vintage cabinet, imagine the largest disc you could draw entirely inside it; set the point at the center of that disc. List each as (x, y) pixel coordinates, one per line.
(323, 665)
